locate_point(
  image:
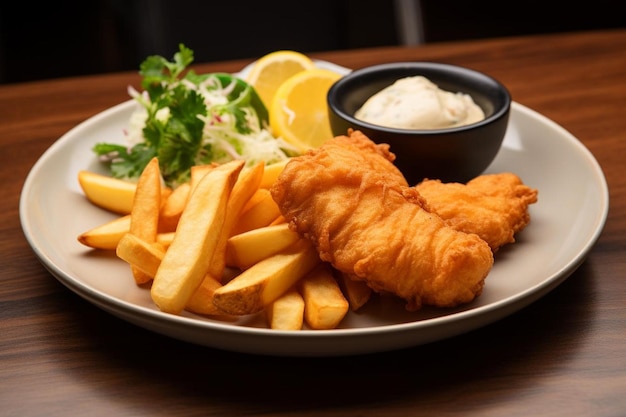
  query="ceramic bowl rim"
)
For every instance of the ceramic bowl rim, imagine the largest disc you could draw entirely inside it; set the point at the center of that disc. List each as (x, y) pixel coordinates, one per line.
(334, 91)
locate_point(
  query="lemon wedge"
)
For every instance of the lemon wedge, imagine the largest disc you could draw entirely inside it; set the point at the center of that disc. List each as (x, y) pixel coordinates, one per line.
(299, 111)
(271, 70)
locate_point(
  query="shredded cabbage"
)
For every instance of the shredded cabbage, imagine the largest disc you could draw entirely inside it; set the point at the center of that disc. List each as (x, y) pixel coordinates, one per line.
(221, 141)
(186, 119)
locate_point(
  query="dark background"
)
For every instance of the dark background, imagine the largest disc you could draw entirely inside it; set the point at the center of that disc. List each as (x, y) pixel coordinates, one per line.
(67, 38)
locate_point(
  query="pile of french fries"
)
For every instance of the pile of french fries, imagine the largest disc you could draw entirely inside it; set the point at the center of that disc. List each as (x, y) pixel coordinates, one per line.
(218, 246)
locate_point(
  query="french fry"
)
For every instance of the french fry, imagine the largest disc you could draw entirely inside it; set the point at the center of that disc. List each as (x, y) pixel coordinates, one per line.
(256, 287)
(286, 312)
(357, 292)
(187, 259)
(144, 216)
(278, 220)
(112, 194)
(143, 255)
(245, 187)
(271, 173)
(201, 301)
(107, 235)
(109, 193)
(324, 303)
(165, 193)
(183, 239)
(246, 249)
(259, 211)
(198, 172)
(173, 207)
(148, 258)
(165, 238)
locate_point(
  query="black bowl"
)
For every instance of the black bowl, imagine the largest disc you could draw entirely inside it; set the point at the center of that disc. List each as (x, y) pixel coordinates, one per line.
(455, 154)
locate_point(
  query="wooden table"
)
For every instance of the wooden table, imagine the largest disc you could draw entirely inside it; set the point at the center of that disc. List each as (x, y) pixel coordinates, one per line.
(563, 355)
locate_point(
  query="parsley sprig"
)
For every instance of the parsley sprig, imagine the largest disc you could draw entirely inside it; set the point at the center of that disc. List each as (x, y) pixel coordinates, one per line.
(176, 115)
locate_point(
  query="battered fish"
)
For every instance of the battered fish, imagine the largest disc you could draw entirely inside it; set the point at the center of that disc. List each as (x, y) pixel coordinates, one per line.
(358, 149)
(349, 200)
(494, 206)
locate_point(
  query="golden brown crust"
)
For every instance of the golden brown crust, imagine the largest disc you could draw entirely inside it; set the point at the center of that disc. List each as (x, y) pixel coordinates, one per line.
(347, 198)
(494, 206)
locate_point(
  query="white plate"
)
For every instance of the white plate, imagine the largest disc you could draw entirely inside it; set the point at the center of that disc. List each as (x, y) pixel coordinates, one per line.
(566, 222)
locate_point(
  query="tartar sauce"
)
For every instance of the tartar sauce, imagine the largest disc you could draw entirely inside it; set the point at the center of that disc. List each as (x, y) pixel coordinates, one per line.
(418, 103)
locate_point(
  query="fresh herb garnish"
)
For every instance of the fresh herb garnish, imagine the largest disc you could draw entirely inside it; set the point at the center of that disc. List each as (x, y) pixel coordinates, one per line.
(188, 119)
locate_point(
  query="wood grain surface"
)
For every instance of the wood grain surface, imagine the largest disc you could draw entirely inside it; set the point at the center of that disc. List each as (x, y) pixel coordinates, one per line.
(563, 355)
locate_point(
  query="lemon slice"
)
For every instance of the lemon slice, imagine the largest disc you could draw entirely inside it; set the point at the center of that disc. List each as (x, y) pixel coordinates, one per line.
(299, 111)
(271, 70)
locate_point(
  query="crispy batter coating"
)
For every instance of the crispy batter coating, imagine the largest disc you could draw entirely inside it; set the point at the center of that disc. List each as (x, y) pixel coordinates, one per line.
(350, 201)
(494, 206)
(356, 149)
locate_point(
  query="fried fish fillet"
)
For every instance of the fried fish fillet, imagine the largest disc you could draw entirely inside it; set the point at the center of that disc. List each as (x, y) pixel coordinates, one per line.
(346, 199)
(494, 206)
(358, 149)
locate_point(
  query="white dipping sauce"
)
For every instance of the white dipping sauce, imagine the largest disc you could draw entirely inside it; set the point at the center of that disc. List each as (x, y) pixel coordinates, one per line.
(418, 103)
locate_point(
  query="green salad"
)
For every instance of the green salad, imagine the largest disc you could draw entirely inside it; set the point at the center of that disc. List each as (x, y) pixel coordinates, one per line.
(186, 119)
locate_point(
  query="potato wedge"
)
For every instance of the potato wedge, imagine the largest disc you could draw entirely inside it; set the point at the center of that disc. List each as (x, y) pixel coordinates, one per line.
(324, 303)
(246, 186)
(259, 211)
(246, 249)
(143, 255)
(106, 236)
(201, 301)
(144, 216)
(357, 292)
(187, 259)
(286, 312)
(109, 193)
(112, 194)
(256, 287)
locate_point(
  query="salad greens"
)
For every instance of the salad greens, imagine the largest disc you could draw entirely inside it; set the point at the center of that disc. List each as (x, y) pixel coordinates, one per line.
(187, 119)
